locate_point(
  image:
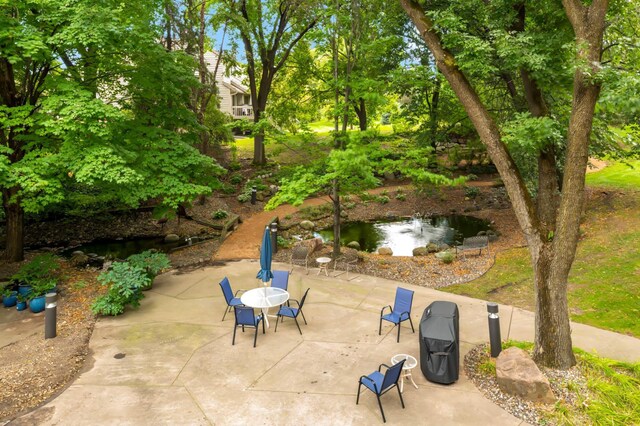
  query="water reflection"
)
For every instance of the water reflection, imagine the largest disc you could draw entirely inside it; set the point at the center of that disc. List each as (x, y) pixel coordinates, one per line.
(402, 236)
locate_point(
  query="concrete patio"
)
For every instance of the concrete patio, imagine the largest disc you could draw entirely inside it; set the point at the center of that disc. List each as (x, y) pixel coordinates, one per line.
(172, 362)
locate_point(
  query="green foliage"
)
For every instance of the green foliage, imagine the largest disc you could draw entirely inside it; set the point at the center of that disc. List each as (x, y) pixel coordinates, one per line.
(236, 179)
(617, 175)
(125, 283)
(41, 273)
(316, 212)
(471, 191)
(228, 189)
(151, 261)
(446, 257)
(382, 199)
(283, 242)
(220, 214)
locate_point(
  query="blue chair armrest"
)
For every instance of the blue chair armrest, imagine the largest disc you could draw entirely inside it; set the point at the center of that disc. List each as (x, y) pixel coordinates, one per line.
(383, 365)
(382, 310)
(369, 379)
(293, 300)
(238, 291)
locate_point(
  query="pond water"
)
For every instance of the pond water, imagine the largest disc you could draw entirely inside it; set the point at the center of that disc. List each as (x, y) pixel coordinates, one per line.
(121, 249)
(402, 236)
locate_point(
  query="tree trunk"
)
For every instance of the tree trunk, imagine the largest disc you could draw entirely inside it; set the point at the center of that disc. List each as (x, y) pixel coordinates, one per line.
(15, 226)
(335, 197)
(361, 111)
(551, 260)
(433, 112)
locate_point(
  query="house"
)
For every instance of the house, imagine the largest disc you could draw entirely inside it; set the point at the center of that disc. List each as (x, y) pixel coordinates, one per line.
(235, 98)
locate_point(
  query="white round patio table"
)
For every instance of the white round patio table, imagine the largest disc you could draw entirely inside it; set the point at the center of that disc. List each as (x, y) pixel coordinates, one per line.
(323, 265)
(264, 298)
(409, 364)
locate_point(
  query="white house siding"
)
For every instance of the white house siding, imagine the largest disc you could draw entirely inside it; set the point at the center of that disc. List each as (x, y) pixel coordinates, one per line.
(223, 83)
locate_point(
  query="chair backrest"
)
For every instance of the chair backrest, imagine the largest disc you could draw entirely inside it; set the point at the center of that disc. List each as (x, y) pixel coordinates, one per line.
(303, 297)
(280, 279)
(244, 315)
(226, 290)
(392, 375)
(300, 252)
(404, 299)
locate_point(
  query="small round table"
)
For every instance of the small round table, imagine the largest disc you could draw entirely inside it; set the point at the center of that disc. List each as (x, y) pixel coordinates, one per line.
(264, 298)
(323, 265)
(409, 364)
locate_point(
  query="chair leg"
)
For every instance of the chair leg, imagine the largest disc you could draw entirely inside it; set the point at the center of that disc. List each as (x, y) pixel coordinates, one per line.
(305, 320)
(277, 318)
(263, 330)
(298, 325)
(233, 342)
(225, 312)
(358, 397)
(380, 327)
(400, 393)
(255, 336)
(384, 420)
(411, 322)
(398, 339)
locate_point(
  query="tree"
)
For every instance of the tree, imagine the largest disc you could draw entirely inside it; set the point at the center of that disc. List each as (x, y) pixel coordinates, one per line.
(88, 97)
(267, 49)
(550, 223)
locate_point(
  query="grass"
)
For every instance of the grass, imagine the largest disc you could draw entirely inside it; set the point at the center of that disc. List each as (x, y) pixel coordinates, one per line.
(617, 175)
(604, 283)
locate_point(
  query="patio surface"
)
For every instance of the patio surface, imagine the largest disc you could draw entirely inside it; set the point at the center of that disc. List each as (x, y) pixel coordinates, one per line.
(172, 362)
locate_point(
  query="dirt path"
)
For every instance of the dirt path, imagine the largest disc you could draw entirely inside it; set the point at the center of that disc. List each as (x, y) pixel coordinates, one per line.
(244, 242)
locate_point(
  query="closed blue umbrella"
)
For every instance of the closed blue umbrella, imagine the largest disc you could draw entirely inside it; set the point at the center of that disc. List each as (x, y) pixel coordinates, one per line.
(266, 254)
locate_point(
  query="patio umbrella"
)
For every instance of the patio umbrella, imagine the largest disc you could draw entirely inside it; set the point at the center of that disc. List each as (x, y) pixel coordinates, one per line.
(265, 273)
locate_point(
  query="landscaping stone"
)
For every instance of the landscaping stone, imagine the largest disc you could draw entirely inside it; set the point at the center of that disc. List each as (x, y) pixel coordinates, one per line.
(307, 224)
(420, 251)
(517, 374)
(79, 259)
(171, 238)
(431, 248)
(385, 251)
(354, 245)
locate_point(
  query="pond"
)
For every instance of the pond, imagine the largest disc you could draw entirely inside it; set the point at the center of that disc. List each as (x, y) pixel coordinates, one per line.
(121, 249)
(402, 236)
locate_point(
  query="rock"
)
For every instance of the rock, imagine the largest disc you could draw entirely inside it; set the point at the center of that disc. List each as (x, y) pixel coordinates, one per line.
(420, 251)
(431, 247)
(96, 262)
(462, 164)
(519, 375)
(443, 247)
(171, 238)
(77, 252)
(354, 245)
(307, 224)
(385, 251)
(260, 196)
(79, 260)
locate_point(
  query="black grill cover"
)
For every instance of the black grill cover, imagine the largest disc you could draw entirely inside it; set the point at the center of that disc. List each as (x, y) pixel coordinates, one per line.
(440, 342)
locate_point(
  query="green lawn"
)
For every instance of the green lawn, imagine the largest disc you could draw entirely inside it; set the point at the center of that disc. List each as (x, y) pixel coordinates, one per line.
(604, 283)
(617, 175)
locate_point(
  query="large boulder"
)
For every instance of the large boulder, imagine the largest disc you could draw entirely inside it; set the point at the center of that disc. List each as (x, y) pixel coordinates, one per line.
(519, 375)
(79, 259)
(354, 245)
(307, 224)
(432, 247)
(171, 238)
(420, 251)
(385, 251)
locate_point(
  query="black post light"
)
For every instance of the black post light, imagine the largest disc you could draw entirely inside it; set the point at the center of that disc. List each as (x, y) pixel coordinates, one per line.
(494, 329)
(274, 236)
(50, 313)
(254, 194)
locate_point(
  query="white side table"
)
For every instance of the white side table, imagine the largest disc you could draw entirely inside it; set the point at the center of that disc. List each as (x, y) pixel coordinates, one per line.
(409, 364)
(323, 265)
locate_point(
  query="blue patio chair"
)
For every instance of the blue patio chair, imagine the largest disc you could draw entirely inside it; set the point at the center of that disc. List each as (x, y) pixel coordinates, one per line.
(231, 299)
(380, 384)
(246, 318)
(291, 312)
(280, 279)
(401, 310)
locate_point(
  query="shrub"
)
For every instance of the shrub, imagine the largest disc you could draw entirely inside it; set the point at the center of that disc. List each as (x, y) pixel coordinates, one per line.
(41, 273)
(125, 283)
(283, 242)
(382, 199)
(446, 257)
(220, 214)
(236, 179)
(471, 191)
(401, 196)
(228, 189)
(151, 261)
(245, 196)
